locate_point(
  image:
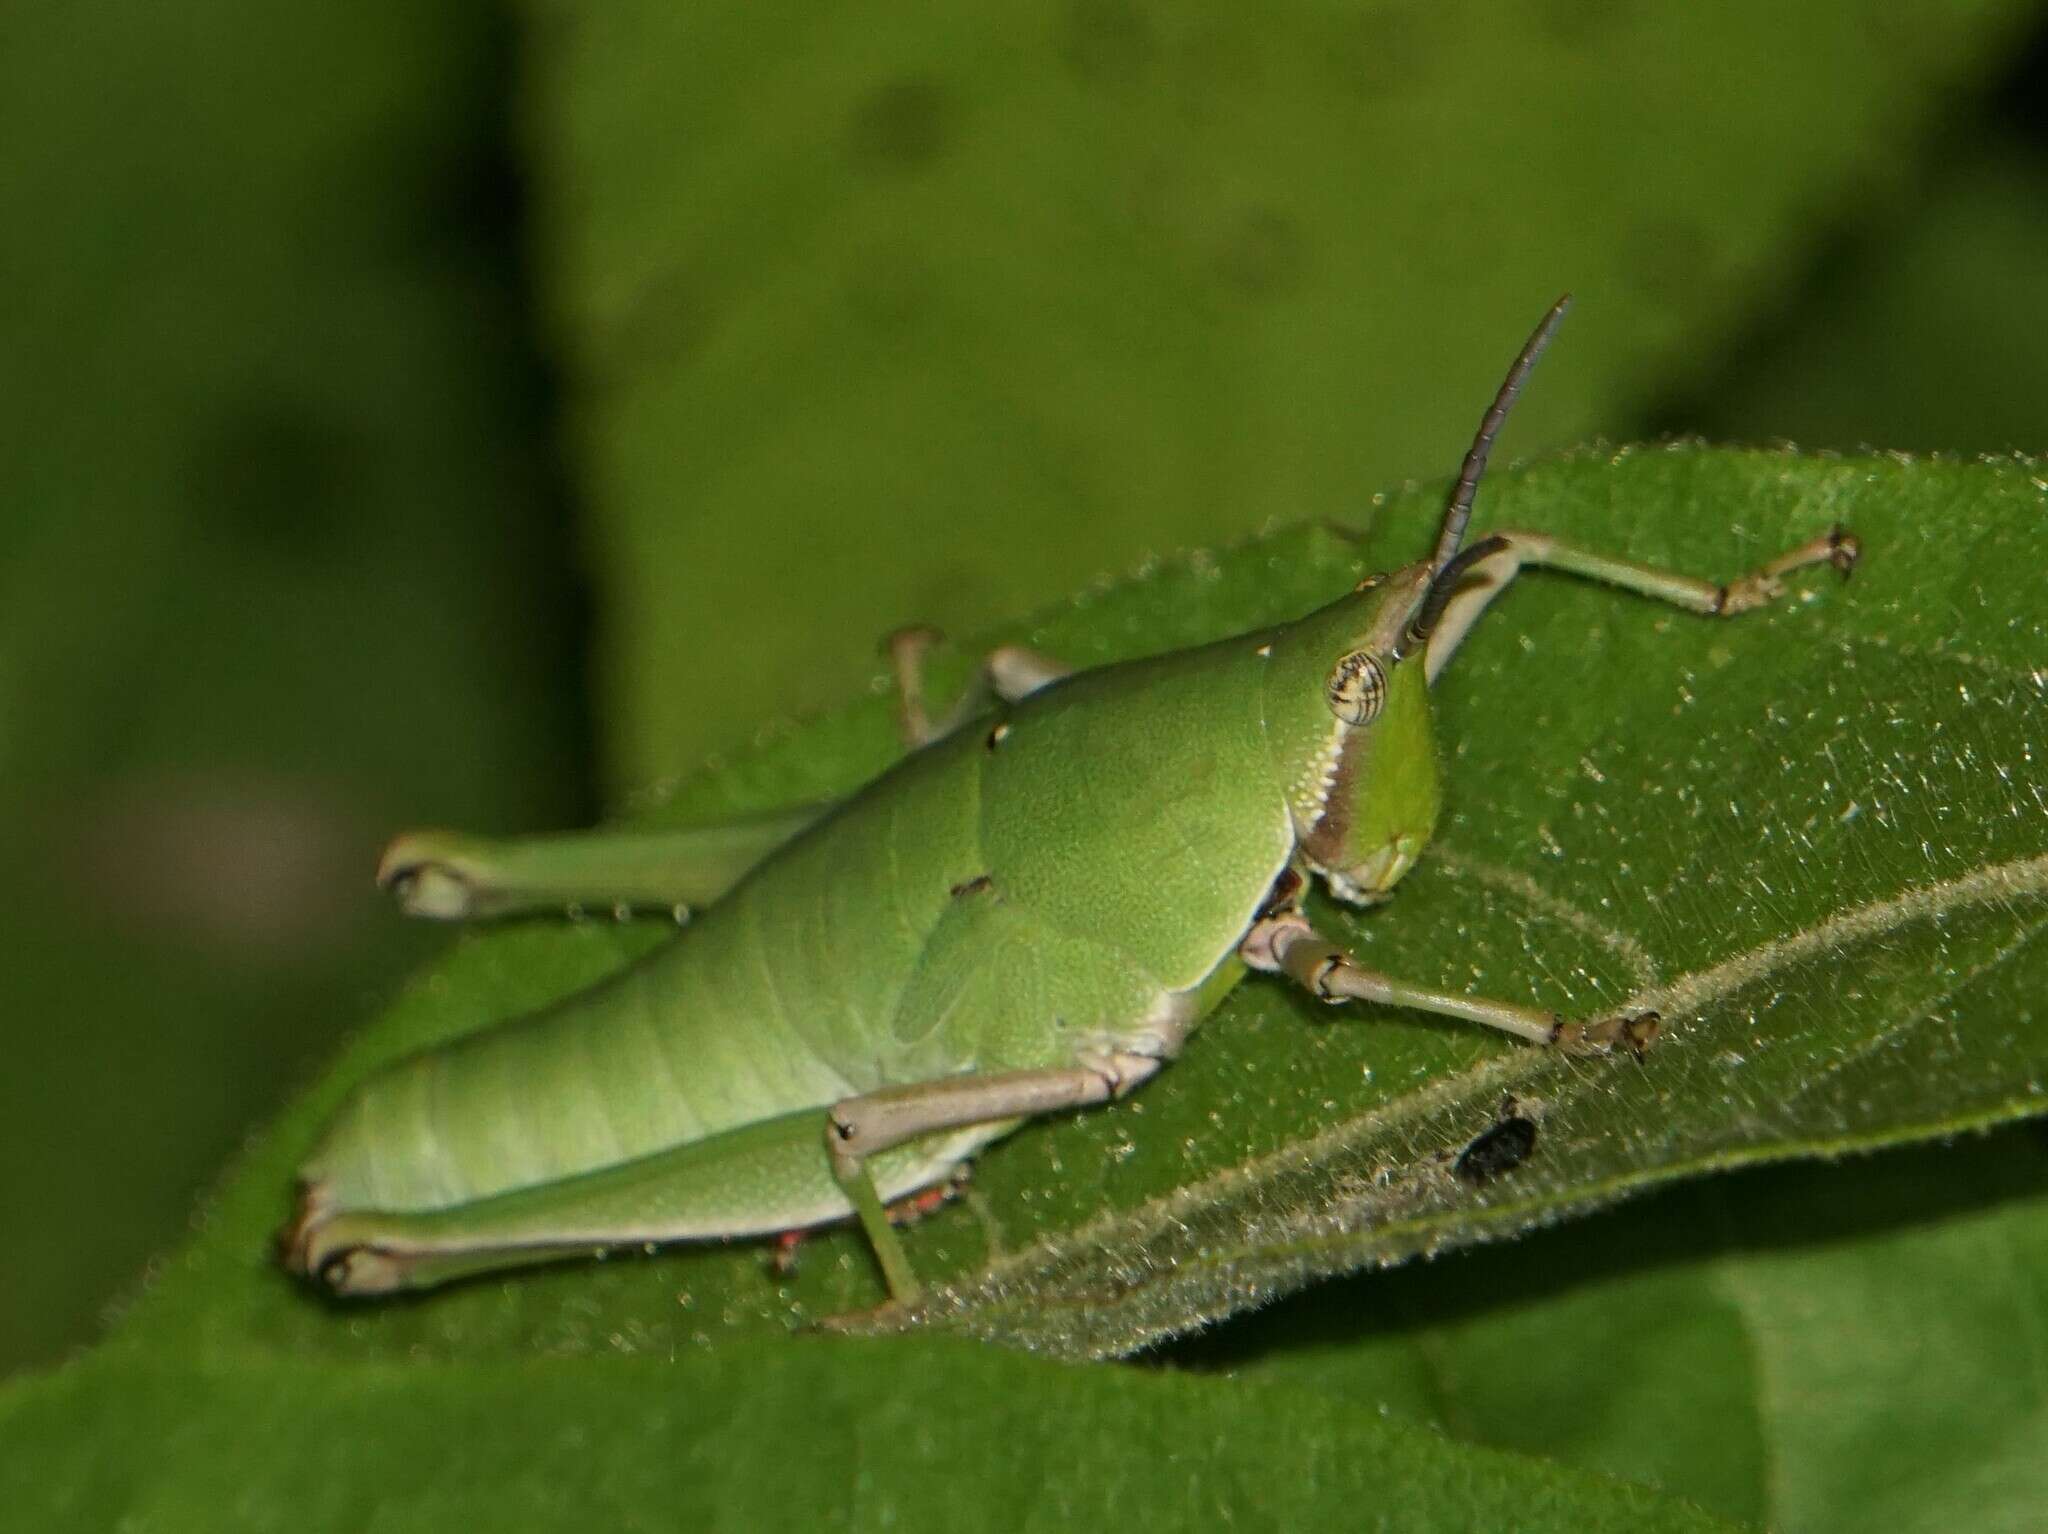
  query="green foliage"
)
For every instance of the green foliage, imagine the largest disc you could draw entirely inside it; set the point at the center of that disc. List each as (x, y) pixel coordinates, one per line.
(275, 574)
(1839, 1346)
(1909, 340)
(866, 322)
(919, 318)
(810, 1434)
(1815, 836)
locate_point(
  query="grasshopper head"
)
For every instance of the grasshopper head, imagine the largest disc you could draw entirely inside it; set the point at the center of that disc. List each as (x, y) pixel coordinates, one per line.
(1347, 700)
(1347, 716)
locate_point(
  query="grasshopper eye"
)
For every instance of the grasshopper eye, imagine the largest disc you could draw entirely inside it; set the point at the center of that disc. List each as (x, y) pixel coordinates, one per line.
(1357, 688)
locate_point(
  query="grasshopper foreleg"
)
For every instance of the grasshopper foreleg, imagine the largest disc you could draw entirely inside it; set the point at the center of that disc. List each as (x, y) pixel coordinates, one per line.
(1286, 944)
(1510, 553)
(860, 1127)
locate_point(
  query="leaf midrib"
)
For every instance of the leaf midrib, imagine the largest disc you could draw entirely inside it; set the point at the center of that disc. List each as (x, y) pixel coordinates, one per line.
(1688, 995)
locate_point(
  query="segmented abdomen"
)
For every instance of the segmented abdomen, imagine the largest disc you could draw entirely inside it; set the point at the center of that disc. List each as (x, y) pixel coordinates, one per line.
(778, 999)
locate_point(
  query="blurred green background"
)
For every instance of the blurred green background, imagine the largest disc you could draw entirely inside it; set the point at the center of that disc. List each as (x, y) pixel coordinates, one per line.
(473, 413)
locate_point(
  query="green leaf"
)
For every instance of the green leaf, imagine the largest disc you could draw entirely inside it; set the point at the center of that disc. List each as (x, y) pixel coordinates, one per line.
(804, 1434)
(1032, 290)
(1641, 803)
(1809, 1348)
(1815, 837)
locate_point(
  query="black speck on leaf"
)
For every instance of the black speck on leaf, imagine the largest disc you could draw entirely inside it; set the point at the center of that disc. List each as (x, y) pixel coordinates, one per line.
(1500, 1150)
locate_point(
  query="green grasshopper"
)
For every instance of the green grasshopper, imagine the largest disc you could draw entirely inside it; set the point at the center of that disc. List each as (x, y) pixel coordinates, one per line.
(1027, 914)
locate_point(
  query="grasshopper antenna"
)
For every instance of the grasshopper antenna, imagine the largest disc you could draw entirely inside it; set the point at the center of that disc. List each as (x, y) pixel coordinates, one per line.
(1458, 511)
